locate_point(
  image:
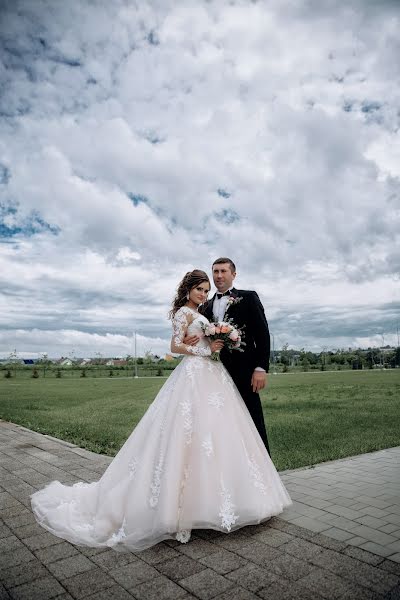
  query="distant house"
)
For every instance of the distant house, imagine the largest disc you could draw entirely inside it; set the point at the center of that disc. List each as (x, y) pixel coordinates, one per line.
(116, 362)
(65, 362)
(27, 361)
(168, 357)
(85, 361)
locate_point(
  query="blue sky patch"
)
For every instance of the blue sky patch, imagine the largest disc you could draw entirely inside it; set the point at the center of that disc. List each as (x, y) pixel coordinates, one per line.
(137, 199)
(227, 216)
(223, 193)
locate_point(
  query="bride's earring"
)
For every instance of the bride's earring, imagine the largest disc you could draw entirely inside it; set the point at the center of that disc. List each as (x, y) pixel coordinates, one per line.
(187, 296)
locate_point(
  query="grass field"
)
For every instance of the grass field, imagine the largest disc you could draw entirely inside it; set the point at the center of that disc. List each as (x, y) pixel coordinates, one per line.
(311, 417)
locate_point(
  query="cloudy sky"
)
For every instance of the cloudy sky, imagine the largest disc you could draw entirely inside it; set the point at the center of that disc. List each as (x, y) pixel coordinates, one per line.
(139, 140)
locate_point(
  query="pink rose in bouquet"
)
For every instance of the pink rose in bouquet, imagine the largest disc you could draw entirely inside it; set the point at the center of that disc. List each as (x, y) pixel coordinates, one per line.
(226, 331)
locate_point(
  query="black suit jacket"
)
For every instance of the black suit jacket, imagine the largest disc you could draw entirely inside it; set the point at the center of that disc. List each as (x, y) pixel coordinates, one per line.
(249, 315)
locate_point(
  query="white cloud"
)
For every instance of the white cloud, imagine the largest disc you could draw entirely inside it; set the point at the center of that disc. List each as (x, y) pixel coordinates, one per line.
(140, 141)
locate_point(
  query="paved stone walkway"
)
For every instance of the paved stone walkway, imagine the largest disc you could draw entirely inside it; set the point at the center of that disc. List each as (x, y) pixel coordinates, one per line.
(354, 500)
(285, 558)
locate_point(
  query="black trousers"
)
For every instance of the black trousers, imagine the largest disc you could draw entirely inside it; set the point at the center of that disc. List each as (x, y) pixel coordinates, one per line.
(253, 403)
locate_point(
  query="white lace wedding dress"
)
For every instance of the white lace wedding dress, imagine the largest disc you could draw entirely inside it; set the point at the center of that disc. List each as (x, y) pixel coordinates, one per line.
(195, 460)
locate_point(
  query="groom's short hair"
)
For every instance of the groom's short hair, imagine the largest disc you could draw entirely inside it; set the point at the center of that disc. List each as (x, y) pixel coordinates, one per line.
(223, 260)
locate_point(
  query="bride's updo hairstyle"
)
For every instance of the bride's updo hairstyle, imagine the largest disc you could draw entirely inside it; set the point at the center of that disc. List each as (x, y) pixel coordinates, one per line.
(191, 280)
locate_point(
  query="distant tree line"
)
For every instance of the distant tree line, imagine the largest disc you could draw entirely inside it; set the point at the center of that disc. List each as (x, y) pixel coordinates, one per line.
(305, 360)
(284, 360)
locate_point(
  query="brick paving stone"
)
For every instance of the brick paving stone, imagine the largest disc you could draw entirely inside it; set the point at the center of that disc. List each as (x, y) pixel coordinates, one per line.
(68, 567)
(4, 595)
(390, 566)
(160, 588)
(14, 511)
(87, 551)
(273, 537)
(356, 541)
(395, 546)
(391, 528)
(206, 584)
(393, 518)
(26, 518)
(377, 549)
(373, 522)
(181, 567)
(112, 560)
(10, 543)
(53, 553)
(22, 573)
(372, 511)
(5, 531)
(259, 553)
(157, 554)
(311, 524)
(238, 593)
(290, 567)
(42, 540)
(133, 574)
(116, 592)
(252, 577)
(43, 589)
(362, 574)
(292, 529)
(16, 557)
(329, 543)
(223, 561)
(87, 583)
(338, 534)
(300, 548)
(7, 500)
(197, 548)
(29, 530)
(328, 585)
(363, 555)
(232, 541)
(288, 590)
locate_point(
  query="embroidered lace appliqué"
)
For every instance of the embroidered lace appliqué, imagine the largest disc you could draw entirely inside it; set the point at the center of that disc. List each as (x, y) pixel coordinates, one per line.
(183, 536)
(216, 399)
(226, 511)
(118, 536)
(191, 366)
(256, 475)
(180, 324)
(156, 484)
(207, 445)
(132, 466)
(186, 406)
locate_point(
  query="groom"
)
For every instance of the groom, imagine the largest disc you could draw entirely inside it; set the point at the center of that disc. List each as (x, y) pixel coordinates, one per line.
(248, 369)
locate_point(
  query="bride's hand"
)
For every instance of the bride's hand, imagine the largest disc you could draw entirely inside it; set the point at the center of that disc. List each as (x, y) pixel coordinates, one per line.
(216, 345)
(191, 340)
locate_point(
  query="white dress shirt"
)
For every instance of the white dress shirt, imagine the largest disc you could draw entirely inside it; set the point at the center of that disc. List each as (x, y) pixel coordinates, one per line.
(219, 309)
(220, 306)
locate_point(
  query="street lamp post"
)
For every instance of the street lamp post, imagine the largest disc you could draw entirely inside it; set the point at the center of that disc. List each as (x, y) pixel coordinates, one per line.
(273, 352)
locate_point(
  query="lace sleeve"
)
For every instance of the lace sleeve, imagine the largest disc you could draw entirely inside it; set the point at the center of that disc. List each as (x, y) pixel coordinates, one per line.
(180, 324)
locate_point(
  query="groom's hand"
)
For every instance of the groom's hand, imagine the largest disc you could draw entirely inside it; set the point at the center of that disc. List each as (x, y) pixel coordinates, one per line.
(191, 340)
(258, 380)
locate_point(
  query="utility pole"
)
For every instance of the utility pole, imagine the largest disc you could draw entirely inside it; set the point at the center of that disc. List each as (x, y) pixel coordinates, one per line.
(136, 372)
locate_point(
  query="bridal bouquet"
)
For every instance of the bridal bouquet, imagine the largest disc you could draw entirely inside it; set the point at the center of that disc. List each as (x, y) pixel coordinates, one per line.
(228, 332)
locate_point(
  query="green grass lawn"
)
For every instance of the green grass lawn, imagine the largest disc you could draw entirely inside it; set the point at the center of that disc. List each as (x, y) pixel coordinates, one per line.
(311, 417)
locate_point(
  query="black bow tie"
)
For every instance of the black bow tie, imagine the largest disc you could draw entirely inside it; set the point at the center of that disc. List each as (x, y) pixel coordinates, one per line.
(219, 294)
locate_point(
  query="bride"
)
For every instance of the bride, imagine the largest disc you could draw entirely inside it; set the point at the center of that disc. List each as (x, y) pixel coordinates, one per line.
(195, 460)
